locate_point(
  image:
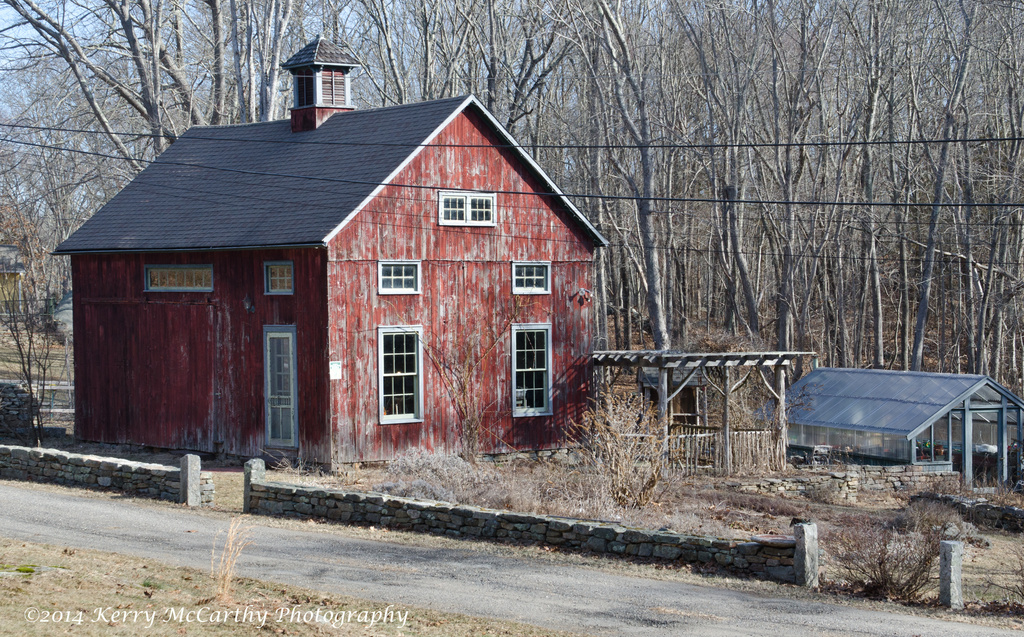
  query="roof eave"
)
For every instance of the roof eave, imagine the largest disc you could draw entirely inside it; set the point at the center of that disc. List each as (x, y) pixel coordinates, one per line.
(275, 246)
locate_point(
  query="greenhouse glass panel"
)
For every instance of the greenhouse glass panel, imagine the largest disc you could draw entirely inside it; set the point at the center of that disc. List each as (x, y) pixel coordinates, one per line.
(1013, 436)
(957, 422)
(985, 425)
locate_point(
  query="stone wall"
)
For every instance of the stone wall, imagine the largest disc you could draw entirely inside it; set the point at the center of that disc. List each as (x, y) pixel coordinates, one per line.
(273, 498)
(15, 412)
(981, 512)
(72, 469)
(852, 483)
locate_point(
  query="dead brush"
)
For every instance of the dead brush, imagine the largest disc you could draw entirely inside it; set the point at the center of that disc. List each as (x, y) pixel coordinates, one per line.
(222, 569)
(622, 441)
(884, 560)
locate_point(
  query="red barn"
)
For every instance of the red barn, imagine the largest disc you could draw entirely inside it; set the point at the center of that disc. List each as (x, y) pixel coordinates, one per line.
(313, 288)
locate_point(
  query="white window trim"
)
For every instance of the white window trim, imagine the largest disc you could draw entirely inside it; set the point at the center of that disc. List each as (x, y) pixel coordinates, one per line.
(528, 327)
(468, 194)
(176, 266)
(380, 276)
(266, 278)
(399, 329)
(547, 278)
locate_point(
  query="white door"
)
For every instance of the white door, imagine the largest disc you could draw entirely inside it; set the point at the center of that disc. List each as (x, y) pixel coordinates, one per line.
(282, 414)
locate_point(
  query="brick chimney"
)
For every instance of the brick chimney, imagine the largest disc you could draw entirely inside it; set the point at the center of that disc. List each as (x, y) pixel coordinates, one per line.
(320, 72)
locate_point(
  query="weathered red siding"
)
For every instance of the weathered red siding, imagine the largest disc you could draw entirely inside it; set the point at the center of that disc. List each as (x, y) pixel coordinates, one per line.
(184, 370)
(466, 293)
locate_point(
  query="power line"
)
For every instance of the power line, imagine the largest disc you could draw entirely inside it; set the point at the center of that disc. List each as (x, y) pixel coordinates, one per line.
(603, 197)
(660, 146)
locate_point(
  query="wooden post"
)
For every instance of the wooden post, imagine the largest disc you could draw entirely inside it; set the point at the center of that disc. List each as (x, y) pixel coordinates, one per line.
(663, 405)
(780, 417)
(726, 447)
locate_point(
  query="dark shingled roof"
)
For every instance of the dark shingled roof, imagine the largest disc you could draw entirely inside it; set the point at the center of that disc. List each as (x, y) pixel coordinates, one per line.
(318, 52)
(259, 185)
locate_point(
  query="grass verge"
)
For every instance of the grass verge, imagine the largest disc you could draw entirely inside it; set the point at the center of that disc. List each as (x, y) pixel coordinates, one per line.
(97, 593)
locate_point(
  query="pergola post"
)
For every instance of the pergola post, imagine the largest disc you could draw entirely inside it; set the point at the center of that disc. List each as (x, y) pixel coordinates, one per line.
(663, 405)
(726, 447)
(782, 422)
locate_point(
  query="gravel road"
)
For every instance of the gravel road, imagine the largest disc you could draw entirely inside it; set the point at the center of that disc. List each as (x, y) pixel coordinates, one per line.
(463, 580)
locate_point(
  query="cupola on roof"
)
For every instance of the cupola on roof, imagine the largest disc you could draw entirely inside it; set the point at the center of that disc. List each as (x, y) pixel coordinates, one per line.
(320, 52)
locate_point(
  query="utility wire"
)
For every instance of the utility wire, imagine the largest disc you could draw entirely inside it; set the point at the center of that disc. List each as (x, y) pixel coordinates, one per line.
(707, 200)
(673, 146)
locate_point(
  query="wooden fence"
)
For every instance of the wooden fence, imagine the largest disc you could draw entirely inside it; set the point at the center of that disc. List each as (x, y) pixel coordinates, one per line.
(697, 449)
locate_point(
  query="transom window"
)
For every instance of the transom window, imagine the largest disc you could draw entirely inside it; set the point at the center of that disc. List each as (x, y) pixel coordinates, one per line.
(466, 209)
(278, 277)
(531, 370)
(531, 278)
(401, 380)
(179, 278)
(399, 277)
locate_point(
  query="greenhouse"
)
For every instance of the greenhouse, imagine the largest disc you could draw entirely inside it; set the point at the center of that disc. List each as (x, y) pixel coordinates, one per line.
(873, 416)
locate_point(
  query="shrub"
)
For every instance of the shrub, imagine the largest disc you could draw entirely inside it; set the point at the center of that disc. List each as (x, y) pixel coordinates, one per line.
(419, 489)
(446, 470)
(622, 441)
(1016, 587)
(940, 518)
(883, 559)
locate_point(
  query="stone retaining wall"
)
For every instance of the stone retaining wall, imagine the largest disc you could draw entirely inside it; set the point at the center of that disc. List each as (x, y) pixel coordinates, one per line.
(274, 498)
(851, 483)
(15, 411)
(60, 467)
(981, 512)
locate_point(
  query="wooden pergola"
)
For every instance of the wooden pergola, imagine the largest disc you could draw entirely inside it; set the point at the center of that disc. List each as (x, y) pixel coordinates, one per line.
(691, 363)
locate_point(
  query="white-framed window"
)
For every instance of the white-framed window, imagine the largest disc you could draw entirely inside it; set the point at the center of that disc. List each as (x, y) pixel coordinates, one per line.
(179, 278)
(466, 208)
(278, 277)
(398, 277)
(531, 369)
(531, 277)
(400, 373)
(280, 385)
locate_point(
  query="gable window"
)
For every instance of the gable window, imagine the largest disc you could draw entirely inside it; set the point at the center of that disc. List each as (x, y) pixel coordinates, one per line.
(400, 375)
(466, 209)
(398, 277)
(179, 278)
(531, 370)
(278, 277)
(531, 277)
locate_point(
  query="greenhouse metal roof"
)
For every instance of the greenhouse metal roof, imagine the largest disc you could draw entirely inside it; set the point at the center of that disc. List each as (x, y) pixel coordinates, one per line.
(884, 401)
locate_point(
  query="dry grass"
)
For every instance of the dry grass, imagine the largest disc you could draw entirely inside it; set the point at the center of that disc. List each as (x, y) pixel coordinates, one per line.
(236, 539)
(93, 585)
(10, 364)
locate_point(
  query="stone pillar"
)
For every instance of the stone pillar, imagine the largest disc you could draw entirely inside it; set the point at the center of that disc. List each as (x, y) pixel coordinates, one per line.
(188, 486)
(951, 557)
(255, 471)
(805, 559)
